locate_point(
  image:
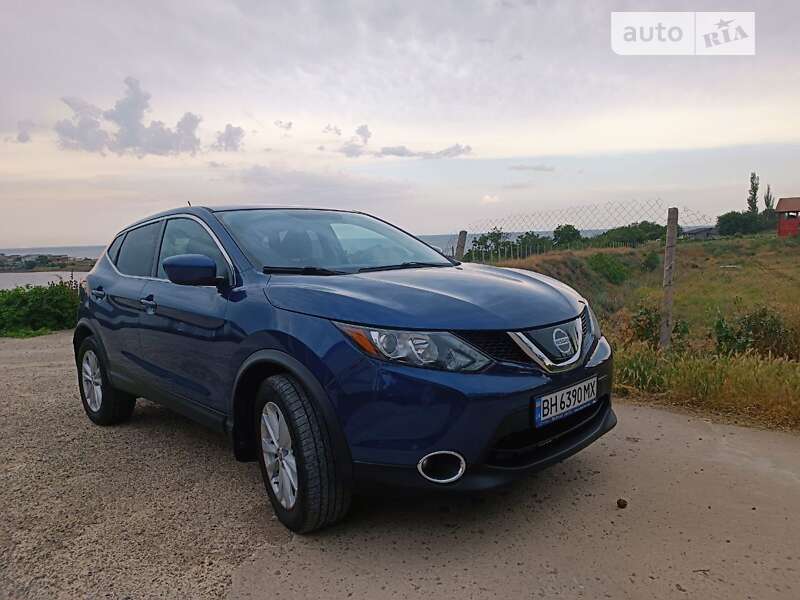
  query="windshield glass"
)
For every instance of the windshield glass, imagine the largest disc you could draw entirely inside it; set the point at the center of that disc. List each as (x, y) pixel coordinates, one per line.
(337, 241)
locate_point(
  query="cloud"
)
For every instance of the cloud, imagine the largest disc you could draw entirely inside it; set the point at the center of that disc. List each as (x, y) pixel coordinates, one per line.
(518, 186)
(353, 149)
(404, 152)
(212, 164)
(516, 57)
(539, 167)
(487, 199)
(84, 130)
(24, 131)
(285, 125)
(332, 129)
(364, 133)
(401, 151)
(449, 152)
(229, 140)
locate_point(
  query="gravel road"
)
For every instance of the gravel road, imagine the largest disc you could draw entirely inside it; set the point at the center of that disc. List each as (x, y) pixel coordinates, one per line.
(159, 508)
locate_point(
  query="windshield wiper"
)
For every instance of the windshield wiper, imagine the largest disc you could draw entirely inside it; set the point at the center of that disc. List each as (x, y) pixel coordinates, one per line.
(406, 265)
(300, 271)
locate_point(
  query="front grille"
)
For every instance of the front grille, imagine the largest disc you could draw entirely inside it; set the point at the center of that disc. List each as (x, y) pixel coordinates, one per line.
(522, 447)
(496, 344)
(499, 345)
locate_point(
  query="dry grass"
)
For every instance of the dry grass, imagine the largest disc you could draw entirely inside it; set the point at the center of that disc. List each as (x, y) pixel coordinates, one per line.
(721, 277)
(765, 390)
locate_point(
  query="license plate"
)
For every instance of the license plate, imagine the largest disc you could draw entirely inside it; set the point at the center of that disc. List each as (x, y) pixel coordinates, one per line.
(564, 402)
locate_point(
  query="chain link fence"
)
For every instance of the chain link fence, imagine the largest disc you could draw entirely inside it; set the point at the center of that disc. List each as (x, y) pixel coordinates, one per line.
(612, 225)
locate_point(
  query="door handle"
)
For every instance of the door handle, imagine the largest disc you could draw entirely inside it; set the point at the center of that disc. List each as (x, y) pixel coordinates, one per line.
(98, 293)
(148, 303)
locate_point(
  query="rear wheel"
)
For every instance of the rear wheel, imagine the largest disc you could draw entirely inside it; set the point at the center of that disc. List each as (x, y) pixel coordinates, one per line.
(103, 404)
(296, 457)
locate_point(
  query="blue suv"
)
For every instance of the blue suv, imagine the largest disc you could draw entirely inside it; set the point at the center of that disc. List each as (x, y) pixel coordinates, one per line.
(341, 353)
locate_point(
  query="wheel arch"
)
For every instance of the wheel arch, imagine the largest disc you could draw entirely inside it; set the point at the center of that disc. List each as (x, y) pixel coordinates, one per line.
(257, 367)
(82, 331)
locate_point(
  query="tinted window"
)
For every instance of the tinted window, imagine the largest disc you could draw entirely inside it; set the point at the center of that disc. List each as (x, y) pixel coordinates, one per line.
(317, 238)
(185, 236)
(138, 249)
(113, 249)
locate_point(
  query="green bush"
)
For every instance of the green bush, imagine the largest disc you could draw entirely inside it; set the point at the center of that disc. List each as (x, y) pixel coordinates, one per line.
(646, 326)
(651, 261)
(761, 330)
(610, 267)
(33, 310)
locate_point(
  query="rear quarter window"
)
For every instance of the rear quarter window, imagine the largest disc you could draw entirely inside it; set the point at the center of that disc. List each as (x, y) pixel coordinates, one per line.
(113, 249)
(137, 254)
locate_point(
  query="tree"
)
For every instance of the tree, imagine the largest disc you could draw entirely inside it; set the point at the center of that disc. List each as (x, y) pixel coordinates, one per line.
(633, 233)
(530, 241)
(566, 234)
(752, 196)
(769, 200)
(738, 222)
(489, 242)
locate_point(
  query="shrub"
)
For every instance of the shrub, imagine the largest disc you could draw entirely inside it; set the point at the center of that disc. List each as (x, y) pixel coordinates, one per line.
(646, 327)
(610, 267)
(651, 261)
(32, 310)
(761, 330)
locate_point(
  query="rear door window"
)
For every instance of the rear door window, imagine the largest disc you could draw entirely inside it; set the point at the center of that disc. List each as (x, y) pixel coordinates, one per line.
(138, 250)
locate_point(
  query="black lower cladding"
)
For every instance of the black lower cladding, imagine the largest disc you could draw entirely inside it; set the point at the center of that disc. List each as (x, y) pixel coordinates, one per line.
(519, 448)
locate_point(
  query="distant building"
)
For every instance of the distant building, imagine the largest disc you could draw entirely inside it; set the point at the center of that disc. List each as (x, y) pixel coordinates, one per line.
(701, 233)
(788, 210)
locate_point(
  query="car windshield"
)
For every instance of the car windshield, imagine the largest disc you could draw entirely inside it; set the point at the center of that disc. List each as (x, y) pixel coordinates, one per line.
(325, 241)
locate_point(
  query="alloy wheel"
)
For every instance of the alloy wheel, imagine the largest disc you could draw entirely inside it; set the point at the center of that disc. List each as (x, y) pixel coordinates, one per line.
(92, 380)
(276, 445)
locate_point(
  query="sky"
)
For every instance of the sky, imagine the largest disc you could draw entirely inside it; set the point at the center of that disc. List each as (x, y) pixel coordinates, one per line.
(433, 115)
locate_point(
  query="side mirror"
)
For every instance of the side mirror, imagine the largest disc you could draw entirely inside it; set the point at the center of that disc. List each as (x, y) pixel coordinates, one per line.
(191, 269)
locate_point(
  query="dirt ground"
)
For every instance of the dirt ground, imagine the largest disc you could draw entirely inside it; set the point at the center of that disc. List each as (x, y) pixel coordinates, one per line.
(159, 508)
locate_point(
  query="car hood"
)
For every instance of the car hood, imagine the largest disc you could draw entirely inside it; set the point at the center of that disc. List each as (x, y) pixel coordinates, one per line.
(465, 297)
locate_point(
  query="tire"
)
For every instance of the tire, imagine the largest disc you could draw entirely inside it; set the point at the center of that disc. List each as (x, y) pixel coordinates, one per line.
(110, 406)
(320, 497)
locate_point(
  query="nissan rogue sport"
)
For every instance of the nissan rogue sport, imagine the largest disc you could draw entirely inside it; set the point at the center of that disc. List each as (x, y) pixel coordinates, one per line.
(341, 353)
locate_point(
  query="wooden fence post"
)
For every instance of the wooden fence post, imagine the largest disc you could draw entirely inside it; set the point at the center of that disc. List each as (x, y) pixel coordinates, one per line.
(462, 242)
(667, 321)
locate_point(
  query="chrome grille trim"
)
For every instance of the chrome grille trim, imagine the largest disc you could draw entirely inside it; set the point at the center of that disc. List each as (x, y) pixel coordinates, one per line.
(540, 358)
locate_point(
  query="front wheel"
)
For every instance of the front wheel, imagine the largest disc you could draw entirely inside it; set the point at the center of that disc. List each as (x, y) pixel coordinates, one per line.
(296, 457)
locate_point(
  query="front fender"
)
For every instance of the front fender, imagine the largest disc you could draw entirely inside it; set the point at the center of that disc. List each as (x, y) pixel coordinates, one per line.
(277, 361)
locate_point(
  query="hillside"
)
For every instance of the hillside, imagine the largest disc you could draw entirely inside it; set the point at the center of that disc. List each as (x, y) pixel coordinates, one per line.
(737, 341)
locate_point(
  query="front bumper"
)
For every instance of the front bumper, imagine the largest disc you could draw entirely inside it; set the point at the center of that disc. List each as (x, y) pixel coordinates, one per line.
(486, 476)
(487, 418)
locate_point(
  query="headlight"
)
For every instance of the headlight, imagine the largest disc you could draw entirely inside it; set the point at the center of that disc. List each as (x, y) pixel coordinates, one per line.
(436, 350)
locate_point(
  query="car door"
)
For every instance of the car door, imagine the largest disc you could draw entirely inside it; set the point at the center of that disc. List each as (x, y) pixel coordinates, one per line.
(116, 293)
(185, 337)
